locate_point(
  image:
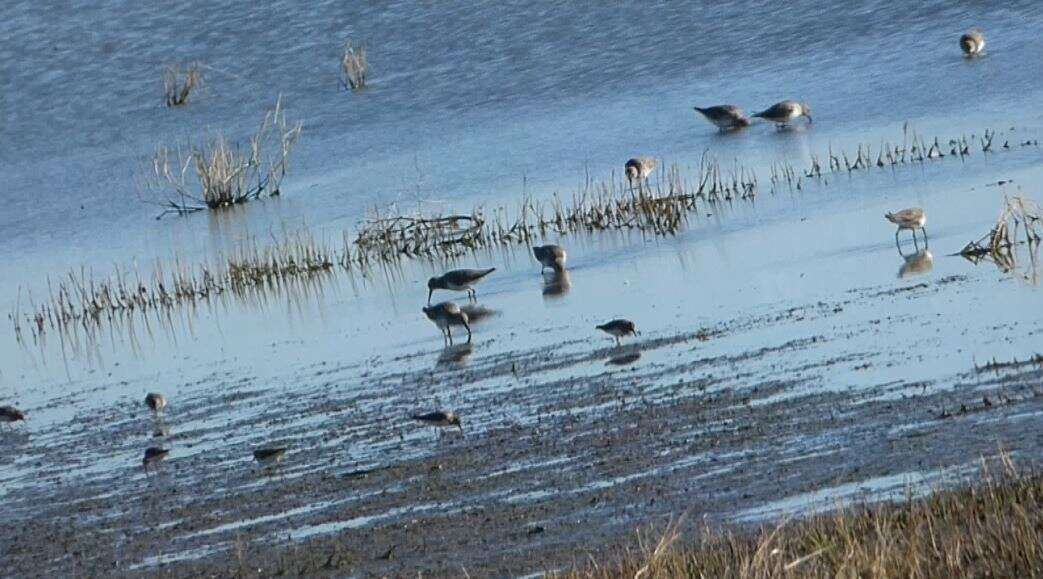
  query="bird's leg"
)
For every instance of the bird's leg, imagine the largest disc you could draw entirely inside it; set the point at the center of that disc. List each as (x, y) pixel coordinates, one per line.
(924, 229)
(468, 326)
(449, 331)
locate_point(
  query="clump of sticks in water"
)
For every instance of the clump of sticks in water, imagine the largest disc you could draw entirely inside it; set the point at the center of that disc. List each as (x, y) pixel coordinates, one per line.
(1019, 222)
(660, 209)
(178, 83)
(220, 174)
(353, 66)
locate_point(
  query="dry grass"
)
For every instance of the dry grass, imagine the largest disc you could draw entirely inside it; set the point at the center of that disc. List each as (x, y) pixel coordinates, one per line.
(219, 174)
(354, 66)
(1019, 221)
(178, 84)
(83, 299)
(994, 529)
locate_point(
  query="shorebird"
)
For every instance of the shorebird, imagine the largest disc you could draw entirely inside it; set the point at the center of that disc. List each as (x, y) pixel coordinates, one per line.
(269, 455)
(638, 169)
(725, 117)
(552, 256)
(445, 315)
(557, 284)
(972, 43)
(10, 415)
(618, 329)
(783, 112)
(155, 401)
(440, 418)
(457, 280)
(912, 219)
(154, 454)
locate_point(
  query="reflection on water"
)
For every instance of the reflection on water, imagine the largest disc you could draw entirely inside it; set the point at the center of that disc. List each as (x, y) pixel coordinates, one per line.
(916, 263)
(556, 284)
(623, 358)
(478, 312)
(457, 355)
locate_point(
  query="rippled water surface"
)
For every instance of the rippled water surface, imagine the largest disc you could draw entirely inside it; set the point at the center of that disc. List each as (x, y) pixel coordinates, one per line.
(480, 104)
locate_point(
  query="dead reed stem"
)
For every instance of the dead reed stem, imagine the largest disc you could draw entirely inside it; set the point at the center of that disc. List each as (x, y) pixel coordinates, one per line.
(354, 66)
(178, 83)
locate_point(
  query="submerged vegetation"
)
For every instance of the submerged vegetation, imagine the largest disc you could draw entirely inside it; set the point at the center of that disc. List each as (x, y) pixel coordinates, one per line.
(992, 529)
(353, 66)
(218, 173)
(226, 175)
(178, 84)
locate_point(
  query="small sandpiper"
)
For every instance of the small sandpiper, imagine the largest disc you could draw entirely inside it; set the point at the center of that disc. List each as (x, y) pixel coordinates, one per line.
(618, 329)
(972, 43)
(155, 401)
(445, 315)
(10, 415)
(725, 117)
(269, 455)
(440, 418)
(638, 169)
(153, 455)
(912, 219)
(552, 256)
(784, 112)
(457, 280)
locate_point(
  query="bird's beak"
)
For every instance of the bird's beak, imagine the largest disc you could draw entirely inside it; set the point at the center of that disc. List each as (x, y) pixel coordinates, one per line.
(430, 292)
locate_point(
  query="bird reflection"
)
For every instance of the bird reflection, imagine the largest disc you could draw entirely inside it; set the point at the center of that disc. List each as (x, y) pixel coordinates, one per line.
(477, 312)
(556, 284)
(458, 355)
(624, 357)
(916, 263)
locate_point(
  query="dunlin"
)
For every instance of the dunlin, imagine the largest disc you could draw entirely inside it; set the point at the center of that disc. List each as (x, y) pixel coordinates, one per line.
(10, 415)
(725, 117)
(269, 455)
(618, 329)
(155, 401)
(972, 43)
(445, 315)
(638, 169)
(154, 454)
(440, 418)
(784, 112)
(552, 256)
(457, 280)
(912, 219)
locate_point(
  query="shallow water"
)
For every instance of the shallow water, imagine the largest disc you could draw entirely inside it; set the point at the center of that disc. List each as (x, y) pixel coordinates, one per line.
(482, 104)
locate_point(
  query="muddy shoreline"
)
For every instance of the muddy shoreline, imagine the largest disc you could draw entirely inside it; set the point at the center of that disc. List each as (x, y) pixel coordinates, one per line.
(564, 454)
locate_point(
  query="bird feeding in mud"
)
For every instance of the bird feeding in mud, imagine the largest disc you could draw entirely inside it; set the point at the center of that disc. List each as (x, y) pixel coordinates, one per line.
(10, 415)
(618, 329)
(446, 315)
(783, 113)
(155, 401)
(154, 455)
(972, 43)
(638, 169)
(552, 256)
(457, 280)
(725, 117)
(269, 455)
(439, 418)
(912, 219)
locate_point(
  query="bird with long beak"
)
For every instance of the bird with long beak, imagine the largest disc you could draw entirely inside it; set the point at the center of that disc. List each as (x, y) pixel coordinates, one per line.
(618, 328)
(457, 280)
(725, 117)
(445, 315)
(782, 113)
